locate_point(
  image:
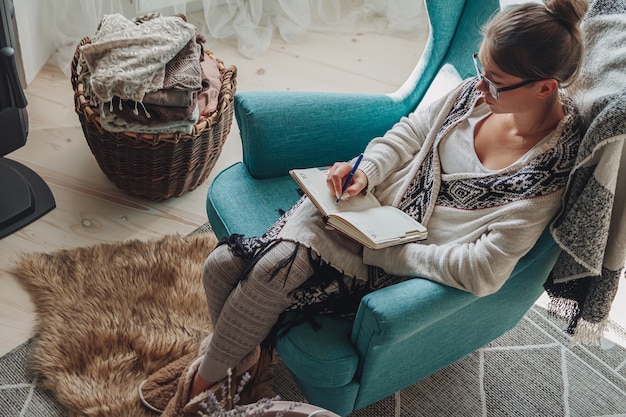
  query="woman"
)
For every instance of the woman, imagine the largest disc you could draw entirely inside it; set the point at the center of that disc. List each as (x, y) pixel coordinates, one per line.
(484, 169)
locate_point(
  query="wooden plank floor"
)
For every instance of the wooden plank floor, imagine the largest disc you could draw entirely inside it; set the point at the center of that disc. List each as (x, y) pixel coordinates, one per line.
(90, 209)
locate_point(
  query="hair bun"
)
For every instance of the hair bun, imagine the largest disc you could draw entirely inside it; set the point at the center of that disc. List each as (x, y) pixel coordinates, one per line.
(568, 11)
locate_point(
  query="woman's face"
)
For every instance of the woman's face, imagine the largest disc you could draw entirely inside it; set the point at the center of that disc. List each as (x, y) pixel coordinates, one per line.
(514, 100)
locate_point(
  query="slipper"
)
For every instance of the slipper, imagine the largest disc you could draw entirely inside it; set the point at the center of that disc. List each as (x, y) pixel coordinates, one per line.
(156, 391)
(222, 392)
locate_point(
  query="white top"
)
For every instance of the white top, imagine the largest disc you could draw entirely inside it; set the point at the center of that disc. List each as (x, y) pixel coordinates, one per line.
(457, 153)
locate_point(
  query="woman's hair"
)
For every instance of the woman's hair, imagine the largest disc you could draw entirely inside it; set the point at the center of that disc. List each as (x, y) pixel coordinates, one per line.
(537, 41)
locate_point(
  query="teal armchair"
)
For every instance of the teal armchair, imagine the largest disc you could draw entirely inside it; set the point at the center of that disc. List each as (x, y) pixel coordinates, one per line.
(402, 333)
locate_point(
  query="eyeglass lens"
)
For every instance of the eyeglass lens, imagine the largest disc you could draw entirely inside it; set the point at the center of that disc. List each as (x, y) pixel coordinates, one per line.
(493, 90)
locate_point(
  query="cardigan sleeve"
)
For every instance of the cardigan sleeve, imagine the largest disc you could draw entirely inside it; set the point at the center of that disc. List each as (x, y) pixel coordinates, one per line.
(480, 266)
(400, 145)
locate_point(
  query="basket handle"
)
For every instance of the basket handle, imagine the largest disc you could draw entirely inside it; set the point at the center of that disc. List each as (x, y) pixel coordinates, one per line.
(76, 59)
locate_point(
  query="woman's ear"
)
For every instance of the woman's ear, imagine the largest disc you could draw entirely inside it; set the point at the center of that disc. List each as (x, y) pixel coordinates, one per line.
(547, 87)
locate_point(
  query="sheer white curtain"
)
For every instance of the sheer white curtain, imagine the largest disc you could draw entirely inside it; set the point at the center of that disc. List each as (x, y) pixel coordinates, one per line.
(250, 24)
(71, 21)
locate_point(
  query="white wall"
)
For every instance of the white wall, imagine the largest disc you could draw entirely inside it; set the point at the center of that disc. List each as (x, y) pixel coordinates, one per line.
(36, 43)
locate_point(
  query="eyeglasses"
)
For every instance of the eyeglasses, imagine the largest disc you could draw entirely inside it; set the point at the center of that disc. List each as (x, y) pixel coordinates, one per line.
(491, 87)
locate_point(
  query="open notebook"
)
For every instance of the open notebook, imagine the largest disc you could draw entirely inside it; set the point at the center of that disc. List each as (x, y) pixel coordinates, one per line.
(361, 217)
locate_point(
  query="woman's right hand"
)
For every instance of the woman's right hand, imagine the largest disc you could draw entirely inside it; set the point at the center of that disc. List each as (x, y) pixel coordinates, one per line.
(337, 176)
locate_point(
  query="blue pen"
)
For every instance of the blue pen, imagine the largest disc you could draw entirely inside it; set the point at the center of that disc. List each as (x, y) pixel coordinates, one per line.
(350, 175)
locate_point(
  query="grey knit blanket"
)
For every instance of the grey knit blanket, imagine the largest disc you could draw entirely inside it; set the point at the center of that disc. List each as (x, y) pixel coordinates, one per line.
(591, 229)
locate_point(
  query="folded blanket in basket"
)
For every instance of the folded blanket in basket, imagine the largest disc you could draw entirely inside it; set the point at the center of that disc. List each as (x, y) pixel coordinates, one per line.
(146, 73)
(114, 123)
(208, 98)
(127, 58)
(183, 74)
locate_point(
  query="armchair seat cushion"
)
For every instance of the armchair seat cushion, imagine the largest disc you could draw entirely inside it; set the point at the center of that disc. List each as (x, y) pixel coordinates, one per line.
(330, 362)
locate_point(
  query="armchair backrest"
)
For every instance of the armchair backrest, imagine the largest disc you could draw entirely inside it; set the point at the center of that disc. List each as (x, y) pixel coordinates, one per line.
(453, 38)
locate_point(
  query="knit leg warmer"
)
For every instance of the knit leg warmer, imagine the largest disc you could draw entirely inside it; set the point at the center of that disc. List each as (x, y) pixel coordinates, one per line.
(248, 310)
(220, 276)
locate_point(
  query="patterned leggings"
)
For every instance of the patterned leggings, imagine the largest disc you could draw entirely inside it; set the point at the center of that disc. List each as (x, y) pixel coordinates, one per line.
(243, 313)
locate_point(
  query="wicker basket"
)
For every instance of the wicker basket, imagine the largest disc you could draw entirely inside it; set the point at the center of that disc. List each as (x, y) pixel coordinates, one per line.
(156, 166)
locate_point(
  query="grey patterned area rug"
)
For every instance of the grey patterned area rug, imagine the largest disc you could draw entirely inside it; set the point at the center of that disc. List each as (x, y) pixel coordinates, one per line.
(530, 371)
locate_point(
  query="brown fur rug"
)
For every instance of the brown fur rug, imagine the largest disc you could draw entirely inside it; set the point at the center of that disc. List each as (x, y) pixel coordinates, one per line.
(111, 314)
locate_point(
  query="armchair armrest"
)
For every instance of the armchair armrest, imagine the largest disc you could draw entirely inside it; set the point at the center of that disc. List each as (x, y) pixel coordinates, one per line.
(397, 312)
(284, 130)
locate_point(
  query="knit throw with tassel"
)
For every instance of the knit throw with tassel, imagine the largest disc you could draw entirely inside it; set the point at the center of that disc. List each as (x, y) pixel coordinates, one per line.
(591, 229)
